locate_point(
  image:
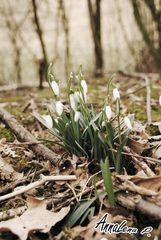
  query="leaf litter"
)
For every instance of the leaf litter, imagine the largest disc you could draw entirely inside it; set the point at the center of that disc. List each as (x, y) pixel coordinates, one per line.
(57, 198)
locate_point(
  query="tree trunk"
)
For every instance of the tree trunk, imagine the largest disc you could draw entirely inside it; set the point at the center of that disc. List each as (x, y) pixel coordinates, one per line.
(156, 16)
(40, 36)
(95, 22)
(66, 31)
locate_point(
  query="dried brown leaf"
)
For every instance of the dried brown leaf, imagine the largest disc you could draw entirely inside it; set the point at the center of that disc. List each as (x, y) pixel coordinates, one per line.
(37, 217)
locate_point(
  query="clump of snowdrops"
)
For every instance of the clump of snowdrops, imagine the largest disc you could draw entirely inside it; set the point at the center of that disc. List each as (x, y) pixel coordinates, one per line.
(82, 129)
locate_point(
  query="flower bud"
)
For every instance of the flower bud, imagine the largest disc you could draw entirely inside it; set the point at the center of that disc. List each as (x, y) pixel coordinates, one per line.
(73, 102)
(84, 86)
(108, 112)
(116, 94)
(48, 121)
(77, 116)
(127, 123)
(103, 124)
(160, 100)
(77, 96)
(71, 74)
(59, 108)
(55, 87)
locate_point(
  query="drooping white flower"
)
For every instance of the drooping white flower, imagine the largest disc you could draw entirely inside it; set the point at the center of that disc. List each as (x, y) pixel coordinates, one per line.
(77, 96)
(77, 116)
(84, 86)
(73, 102)
(56, 120)
(48, 121)
(59, 108)
(116, 94)
(55, 87)
(160, 100)
(108, 112)
(127, 123)
(103, 124)
(71, 74)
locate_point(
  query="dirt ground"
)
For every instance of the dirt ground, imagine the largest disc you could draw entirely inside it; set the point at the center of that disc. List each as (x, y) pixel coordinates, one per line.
(138, 189)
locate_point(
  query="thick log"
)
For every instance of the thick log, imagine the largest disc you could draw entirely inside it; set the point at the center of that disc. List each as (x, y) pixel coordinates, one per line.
(23, 135)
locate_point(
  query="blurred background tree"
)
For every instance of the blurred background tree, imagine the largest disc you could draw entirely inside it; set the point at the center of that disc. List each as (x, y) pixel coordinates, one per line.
(94, 8)
(103, 35)
(150, 27)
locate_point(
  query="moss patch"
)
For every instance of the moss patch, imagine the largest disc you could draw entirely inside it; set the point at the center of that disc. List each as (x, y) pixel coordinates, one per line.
(7, 134)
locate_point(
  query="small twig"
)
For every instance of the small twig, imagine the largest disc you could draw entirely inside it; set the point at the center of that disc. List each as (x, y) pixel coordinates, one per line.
(26, 143)
(141, 164)
(78, 195)
(148, 99)
(25, 179)
(85, 185)
(73, 191)
(41, 181)
(132, 92)
(145, 158)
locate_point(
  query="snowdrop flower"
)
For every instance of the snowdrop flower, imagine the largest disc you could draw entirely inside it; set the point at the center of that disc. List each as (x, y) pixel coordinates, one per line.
(77, 116)
(77, 96)
(160, 100)
(127, 123)
(108, 112)
(116, 94)
(73, 102)
(103, 124)
(59, 108)
(56, 120)
(55, 87)
(84, 86)
(48, 121)
(71, 74)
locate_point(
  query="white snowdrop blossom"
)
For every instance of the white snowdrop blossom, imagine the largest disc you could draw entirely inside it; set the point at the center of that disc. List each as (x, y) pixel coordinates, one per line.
(127, 123)
(77, 96)
(108, 112)
(84, 86)
(48, 121)
(73, 102)
(59, 108)
(116, 94)
(56, 120)
(103, 124)
(71, 74)
(55, 87)
(160, 100)
(77, 116)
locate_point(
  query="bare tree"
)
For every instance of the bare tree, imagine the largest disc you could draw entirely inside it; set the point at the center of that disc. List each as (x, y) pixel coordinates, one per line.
(11, 25)
(43, 63)
(65, 24)
(94, 9)
(154, 45)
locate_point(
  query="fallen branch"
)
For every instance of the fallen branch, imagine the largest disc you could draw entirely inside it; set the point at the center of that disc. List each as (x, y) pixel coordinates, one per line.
(41, 181)
(25, 136)
(148, 99)
(7, 189)
(141, 164)
(137, 203)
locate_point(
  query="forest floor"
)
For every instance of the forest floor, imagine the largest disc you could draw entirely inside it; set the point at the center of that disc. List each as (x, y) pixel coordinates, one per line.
(45, 208)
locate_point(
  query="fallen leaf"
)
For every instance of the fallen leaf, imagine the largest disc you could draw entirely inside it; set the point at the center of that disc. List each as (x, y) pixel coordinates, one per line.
(7, 171)
(36, 217)
(157, 151)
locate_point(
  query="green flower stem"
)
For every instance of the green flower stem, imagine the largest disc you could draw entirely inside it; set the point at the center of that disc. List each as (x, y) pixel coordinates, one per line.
(106, 174)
